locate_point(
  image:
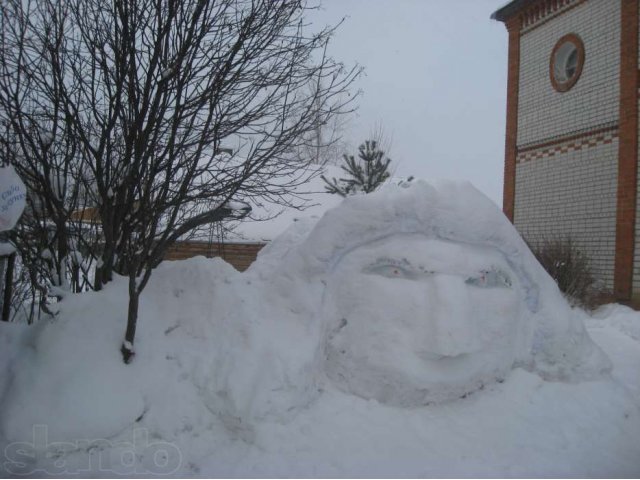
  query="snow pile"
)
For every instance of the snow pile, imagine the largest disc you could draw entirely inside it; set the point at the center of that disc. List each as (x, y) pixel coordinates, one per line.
(408, 332)
(67, 377)
(623, 318)
(616, 328)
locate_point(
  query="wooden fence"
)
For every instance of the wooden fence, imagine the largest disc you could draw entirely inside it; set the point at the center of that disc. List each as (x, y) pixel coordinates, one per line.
(240, 255)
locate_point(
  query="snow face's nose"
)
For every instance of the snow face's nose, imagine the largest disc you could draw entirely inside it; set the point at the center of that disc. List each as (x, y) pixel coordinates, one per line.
(451, 330)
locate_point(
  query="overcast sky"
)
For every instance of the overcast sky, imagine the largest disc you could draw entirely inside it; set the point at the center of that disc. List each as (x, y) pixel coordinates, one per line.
(435, 79)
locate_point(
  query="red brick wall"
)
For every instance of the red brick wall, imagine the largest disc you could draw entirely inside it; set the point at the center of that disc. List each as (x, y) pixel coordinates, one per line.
(508, 195)
(572, 168)
(627, 151)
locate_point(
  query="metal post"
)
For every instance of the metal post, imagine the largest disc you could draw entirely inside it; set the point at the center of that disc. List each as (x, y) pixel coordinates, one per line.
(4, 237)
(3, 263)
(8, 289)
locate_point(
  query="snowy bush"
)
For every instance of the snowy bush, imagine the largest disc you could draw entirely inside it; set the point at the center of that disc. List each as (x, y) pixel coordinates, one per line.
(570, 268)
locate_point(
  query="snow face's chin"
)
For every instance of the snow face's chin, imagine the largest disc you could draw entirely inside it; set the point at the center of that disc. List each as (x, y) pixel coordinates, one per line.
(415, 320)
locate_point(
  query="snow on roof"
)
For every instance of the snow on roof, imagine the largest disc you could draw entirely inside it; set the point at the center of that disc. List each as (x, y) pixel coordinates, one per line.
(268, 220)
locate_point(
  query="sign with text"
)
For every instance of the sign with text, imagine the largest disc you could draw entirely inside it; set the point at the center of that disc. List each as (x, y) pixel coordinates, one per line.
(13, 197)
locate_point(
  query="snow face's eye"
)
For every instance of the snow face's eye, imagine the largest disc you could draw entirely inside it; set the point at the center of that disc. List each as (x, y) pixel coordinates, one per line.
(491, 278)
(391, 269)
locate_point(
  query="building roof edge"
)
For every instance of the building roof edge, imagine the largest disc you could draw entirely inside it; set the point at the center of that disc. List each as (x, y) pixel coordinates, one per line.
(508, 10)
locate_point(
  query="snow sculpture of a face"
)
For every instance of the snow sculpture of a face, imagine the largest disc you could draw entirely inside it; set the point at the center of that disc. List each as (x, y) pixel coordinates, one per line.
(413, 296)
(417, 320)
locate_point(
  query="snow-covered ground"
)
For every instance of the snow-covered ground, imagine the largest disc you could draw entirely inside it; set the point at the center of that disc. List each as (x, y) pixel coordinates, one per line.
(406, 333)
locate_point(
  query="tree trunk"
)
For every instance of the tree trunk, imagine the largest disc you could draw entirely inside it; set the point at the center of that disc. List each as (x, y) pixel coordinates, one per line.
(132, 320)
(104, 273)
(75, 278)
(63, 251)
(97, 280)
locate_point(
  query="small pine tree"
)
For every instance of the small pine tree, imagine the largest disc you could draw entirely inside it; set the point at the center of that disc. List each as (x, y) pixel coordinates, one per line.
(366, 173)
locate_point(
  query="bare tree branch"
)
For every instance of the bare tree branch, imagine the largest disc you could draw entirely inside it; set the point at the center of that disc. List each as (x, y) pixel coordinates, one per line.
(123, 106)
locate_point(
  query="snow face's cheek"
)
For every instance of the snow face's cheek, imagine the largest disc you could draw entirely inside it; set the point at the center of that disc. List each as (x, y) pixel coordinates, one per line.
(415, 320)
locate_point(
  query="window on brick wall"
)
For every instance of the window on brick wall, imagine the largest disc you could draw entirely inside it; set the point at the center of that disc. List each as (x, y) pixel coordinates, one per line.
(567, 60)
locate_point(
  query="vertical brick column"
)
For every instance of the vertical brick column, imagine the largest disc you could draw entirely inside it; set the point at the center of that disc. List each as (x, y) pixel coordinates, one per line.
(511, 142)
(627, 151)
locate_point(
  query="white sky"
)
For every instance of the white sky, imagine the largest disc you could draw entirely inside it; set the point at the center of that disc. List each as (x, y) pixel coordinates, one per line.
(435, 79)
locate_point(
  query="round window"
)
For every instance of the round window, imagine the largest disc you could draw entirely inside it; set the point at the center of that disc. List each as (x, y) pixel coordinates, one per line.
(567, 59)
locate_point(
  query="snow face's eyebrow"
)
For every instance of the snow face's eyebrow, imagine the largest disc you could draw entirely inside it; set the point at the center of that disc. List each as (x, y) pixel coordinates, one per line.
(391, 271)
(395, 268)
(490, 277)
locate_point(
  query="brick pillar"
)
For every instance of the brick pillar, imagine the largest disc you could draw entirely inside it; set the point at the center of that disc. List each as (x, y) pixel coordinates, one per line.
(627, 151)
(511, 142)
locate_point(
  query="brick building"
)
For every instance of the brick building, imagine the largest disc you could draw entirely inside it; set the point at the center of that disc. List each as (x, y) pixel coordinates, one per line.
(572, 130)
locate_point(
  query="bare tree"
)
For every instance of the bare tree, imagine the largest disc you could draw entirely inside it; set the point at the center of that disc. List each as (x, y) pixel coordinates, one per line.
(380, 135)
(324, 144)
(143, 93)
(41, 145)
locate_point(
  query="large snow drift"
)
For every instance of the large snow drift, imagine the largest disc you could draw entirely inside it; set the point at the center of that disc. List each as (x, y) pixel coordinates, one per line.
(409, 332)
